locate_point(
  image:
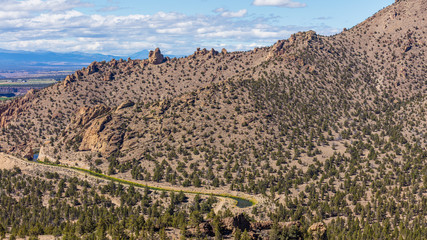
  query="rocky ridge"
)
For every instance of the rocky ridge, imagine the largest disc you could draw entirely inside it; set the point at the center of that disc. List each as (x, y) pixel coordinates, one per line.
(321, 127)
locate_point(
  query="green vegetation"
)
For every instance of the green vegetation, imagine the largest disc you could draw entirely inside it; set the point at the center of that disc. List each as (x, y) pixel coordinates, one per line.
(5, 98)
(27, 82)
(244, 202)
(75, 209)
(49, 204)
(321, 129)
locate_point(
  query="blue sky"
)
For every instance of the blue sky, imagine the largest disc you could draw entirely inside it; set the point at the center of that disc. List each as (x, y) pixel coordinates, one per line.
(176, 26)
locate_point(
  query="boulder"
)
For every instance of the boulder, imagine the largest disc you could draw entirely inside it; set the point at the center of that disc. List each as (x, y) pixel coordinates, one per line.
(318, 231)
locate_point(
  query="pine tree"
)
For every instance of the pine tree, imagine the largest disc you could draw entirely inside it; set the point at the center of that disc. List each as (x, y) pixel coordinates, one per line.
(2, 231)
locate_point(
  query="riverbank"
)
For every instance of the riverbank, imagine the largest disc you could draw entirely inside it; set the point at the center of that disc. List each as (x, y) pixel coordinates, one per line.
(241, 201)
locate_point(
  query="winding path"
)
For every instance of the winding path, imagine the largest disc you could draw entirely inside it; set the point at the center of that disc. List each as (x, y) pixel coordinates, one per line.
(8, 161)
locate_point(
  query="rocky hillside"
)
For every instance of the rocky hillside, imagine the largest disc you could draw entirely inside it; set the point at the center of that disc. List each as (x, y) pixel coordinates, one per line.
(386, 51)
(393, 42)
(324, 128)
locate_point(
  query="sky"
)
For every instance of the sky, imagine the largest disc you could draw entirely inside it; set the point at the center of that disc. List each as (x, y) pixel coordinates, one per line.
(123, 27)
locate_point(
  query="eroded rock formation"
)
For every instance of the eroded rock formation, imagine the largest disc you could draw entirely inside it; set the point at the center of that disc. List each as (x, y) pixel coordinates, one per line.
(12, 109)
(318, 231)
(155, 57)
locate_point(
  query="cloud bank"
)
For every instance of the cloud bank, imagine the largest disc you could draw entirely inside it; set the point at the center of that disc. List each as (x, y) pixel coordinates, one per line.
(56, 25)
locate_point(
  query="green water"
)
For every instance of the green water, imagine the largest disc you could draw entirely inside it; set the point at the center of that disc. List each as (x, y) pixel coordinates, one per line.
(241, 202)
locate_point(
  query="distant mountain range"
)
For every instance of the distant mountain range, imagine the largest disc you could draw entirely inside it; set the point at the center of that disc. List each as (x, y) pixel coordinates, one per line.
(27, 60)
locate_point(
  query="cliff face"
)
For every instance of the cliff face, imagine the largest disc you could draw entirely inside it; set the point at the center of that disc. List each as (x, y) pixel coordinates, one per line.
(93, 120)
(13, 109)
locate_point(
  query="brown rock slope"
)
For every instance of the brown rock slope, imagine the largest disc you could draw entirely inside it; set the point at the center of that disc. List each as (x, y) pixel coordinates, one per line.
(393, 42)
(321, 126)
(387, 50)
(49, 111)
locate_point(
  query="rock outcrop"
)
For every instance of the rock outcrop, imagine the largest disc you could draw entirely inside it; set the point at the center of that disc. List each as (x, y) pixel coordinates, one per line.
(256, 230)
(125, 104)
(29, 153)
(86, 114)
(318, 231)
(68, 79)
(92, 68)
(108, 76)
(296, 224)
(303, 38)
(92, 133)
(263, 225)
(296, 41)
(93, 139)
(205, 52)
(74, 77)
(12, 109)
(237, 222)
(155, 57)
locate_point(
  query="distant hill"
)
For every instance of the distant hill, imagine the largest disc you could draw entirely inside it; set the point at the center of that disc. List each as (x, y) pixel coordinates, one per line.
(140, 55)
(18, 60)
(25, 60)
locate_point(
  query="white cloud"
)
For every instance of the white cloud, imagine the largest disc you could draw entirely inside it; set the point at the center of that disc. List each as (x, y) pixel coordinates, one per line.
(230, 14)
(255, 33)
(64, 29)
(172, 30)
(9, 15)
(219, 10)
(57, 19)
(238, 14)
(279, 3)
(39, 5)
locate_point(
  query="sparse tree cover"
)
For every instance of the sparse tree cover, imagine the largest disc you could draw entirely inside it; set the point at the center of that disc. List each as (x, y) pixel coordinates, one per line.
(328, 130)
